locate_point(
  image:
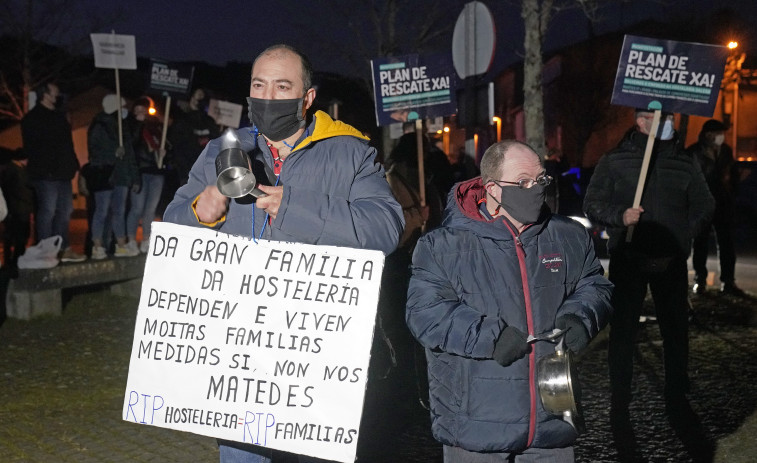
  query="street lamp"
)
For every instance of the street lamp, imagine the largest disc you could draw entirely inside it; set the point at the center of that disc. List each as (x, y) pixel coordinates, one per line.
(445, 139)
(733, 67)
(499, 127)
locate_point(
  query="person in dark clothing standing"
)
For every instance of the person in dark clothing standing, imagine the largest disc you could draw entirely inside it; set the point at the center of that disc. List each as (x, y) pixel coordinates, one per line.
(676, 204)
(327, 187)
(52, 164)
(19, 196)
(439, 177)
(144, 199)
(716, 160)
(116, 168)
(500, 269)
(190, 133)
(463, 166)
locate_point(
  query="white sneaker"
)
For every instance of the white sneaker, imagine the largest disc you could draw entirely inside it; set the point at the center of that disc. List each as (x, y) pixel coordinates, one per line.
(144, 246)
(127, 250)
(98, 253)
(68, 255)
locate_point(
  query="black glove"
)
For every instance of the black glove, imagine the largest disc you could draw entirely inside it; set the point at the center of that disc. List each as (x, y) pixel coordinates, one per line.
(576, 337)
(510, 346)
(136, 188)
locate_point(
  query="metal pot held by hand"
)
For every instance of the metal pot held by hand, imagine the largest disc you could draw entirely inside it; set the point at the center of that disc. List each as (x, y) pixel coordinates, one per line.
(235, 176)
(558, 384)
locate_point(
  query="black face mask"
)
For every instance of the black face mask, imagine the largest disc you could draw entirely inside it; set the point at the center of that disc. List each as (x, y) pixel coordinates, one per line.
(276, 119)
(524, 205)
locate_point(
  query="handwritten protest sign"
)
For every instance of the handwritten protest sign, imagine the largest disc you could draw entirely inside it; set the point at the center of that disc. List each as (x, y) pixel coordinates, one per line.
(114, 51)
(265, 343)
(225, 113)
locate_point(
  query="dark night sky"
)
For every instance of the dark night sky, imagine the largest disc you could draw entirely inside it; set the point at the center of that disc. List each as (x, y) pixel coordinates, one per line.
(236, 30)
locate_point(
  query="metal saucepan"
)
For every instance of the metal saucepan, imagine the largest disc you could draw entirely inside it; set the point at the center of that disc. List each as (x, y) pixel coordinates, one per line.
(235, 178)
(558, 384)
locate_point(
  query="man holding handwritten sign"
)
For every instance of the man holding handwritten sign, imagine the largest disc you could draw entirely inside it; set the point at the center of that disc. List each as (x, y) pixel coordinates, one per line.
(261, 343)
(653, 199)
(320, 183)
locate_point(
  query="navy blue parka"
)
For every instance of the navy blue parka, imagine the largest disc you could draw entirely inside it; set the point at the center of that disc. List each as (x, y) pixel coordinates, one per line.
(471, 278)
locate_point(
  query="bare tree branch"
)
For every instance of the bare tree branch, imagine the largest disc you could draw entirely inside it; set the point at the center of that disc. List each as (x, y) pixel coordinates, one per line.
(28, 59)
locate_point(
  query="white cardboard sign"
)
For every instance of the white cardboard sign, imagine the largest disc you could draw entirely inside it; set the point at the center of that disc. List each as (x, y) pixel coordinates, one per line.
(265, 343)
(114, 51)
(225, 113)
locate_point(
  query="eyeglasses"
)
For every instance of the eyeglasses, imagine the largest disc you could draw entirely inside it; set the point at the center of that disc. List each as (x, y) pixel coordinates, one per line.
(526, 183)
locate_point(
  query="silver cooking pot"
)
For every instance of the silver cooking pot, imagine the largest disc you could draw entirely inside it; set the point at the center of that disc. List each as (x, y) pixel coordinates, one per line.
(558, 385)
(235, 178)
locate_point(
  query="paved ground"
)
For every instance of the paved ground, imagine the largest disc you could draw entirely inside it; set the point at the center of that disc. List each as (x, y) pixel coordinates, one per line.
(63, 382)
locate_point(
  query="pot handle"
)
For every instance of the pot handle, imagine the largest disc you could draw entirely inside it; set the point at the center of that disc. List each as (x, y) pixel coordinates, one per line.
(550, 337)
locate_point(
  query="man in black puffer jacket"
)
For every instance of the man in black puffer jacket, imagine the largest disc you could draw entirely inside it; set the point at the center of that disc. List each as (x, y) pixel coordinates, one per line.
(676, 204)
(501, 267)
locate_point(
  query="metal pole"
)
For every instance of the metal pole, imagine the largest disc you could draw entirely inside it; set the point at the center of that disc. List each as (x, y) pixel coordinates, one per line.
(470, 67)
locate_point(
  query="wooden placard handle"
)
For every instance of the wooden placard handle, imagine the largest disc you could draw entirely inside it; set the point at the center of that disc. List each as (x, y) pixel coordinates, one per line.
(644, 167)
(162, 151)
(421, 170)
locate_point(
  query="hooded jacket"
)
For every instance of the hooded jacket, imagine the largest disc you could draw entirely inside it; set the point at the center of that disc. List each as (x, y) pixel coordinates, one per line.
(677, 203)
(472, 277)
(334, 191)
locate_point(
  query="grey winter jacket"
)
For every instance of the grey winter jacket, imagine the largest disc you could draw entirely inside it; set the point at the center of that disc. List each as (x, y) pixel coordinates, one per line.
(471, 278)
(334, 191)
(677, 203)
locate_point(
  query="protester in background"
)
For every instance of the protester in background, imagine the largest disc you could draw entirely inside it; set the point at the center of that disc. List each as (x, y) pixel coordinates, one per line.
(403, 162)
(502, 268)
(675, 206)
(716, 160)
(19, 196)
(144, 200)
(463, 166)
(114, 173)
(327, 188)
(555, 164)
(189, 134)
(52, 164)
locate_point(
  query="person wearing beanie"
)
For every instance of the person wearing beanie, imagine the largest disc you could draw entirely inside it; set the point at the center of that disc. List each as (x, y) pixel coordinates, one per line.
(715, 158)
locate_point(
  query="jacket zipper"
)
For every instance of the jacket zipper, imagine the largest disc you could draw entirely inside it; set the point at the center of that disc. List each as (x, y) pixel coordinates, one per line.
(521, 253)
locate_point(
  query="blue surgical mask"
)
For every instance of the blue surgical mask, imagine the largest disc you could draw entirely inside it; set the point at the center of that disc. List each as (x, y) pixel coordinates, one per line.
(666, 131)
